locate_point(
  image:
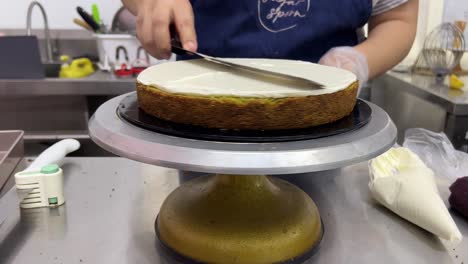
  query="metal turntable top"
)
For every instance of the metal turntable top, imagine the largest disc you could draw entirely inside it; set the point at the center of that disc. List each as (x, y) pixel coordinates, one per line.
(118, 136)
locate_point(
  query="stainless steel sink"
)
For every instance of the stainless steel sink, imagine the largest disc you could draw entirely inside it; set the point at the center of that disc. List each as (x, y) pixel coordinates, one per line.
(51, 70)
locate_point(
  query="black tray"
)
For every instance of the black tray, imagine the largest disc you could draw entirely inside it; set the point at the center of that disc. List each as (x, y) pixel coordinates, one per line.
(129, 111)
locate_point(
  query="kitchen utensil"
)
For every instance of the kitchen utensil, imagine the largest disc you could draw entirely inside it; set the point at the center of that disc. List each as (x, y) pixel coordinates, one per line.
(95, 12)
(97, 19)
(402, 182)
(239, 219)
(140, 63)
(125, 139)
(11, 152)
(88, 19)
(273, 76)
(104, 65)
(54, 154)
(41, 184)
(44, 187)
(443, 50)
(20, 58)
(122, 69)
(82, 24)
(265, 214)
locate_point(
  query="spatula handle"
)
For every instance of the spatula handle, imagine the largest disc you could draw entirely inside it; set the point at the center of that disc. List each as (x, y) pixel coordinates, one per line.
(177, 48)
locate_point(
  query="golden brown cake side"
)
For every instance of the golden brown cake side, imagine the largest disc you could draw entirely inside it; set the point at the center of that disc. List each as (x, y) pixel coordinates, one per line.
(229, 112)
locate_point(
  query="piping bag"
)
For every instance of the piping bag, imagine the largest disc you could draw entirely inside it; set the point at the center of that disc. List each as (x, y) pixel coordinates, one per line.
(449, 165)
(401, 181)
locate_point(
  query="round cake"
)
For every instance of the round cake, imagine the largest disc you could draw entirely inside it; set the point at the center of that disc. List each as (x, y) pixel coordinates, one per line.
(201, 93)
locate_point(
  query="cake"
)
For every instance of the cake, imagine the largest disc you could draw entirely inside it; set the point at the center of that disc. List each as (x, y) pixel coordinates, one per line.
(201, 93)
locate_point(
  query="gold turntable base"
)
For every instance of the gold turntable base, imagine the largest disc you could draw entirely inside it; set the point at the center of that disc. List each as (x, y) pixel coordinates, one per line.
(239, 219)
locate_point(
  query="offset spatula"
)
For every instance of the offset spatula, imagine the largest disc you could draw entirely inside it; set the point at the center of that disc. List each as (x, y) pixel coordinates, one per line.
(303, 82)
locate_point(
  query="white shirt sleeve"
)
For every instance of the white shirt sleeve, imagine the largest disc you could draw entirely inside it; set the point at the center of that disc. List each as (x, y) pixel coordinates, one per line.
(382, 6)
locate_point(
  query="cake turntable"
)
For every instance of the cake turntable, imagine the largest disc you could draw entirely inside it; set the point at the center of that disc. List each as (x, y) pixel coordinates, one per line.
(239, 215)
(129, 111)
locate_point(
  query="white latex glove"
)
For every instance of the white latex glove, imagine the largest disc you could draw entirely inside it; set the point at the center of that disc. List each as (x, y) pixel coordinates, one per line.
(349, 59)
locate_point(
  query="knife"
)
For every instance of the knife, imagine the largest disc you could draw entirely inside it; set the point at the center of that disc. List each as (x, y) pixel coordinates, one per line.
(88, 18)
(83, 24)
(96, 15)
(305, 83)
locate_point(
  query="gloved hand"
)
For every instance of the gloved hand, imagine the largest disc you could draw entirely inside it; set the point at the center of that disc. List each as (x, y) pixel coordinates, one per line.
(349, 59)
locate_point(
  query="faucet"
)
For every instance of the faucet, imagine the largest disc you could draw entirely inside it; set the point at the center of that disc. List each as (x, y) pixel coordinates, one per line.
(46, 28)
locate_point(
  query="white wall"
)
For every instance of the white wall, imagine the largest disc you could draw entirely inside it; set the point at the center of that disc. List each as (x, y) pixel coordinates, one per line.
(430, 16)
(59, 12)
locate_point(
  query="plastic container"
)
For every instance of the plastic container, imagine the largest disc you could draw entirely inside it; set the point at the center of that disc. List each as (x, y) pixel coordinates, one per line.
(108, 43)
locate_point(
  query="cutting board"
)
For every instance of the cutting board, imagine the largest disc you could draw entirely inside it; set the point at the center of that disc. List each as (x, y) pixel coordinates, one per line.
(20, 58)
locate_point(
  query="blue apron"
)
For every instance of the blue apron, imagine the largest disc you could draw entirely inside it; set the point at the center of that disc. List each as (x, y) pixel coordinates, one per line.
(287, 29)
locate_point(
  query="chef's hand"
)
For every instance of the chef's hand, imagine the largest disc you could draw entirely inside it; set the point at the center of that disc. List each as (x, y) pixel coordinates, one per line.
(349, 59)
(154, 19)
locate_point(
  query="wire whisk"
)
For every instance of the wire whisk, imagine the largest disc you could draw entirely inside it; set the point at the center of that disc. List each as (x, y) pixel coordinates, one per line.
(443, 49)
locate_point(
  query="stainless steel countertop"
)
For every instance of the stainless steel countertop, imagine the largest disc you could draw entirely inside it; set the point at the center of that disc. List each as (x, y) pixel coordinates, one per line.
(99, 83)
(454, 101)
(112, 203)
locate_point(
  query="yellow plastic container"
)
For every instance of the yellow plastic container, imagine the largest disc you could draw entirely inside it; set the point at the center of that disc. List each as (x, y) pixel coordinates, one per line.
(455, 82)
(78, 68)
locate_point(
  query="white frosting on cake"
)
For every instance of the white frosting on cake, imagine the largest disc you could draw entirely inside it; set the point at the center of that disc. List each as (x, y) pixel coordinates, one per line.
(203, 78)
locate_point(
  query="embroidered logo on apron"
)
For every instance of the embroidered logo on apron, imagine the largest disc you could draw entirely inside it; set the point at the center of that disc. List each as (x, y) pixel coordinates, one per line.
(280, 15)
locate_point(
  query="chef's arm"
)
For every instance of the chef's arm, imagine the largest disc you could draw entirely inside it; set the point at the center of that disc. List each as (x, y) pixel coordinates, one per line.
(154, 19)
(391, 35)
